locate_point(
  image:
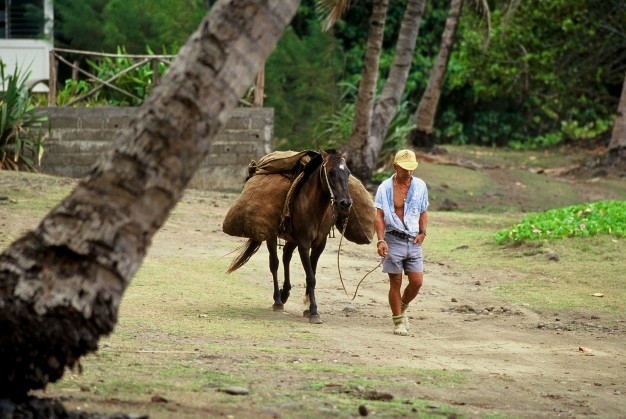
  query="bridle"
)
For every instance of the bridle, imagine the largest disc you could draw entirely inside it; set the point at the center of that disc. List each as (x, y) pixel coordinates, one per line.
(324, 180)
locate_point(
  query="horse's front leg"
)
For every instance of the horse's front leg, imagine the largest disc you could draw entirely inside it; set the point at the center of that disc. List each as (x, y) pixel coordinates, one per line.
(287, 254)
(316, 252)
(314, 316)
(271, 247)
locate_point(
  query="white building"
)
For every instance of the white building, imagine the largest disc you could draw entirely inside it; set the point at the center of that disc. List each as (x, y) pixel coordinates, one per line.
(26, 39)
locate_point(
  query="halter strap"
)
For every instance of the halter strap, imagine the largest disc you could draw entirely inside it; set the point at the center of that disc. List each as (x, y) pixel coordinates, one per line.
(324, 176)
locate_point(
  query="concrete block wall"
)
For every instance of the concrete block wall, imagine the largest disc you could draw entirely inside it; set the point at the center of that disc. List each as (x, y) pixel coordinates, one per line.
(78, 136)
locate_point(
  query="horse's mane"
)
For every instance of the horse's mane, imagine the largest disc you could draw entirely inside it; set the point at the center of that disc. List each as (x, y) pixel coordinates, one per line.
(311, 167)
(316, 162)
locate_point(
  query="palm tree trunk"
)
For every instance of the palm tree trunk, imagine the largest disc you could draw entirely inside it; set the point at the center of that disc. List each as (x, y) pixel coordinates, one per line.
(422, 136)
(618, 135)
(391, 95)
(61, 284)
(359, 156)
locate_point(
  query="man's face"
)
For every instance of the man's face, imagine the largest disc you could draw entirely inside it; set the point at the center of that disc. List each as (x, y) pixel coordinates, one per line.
(401, 173)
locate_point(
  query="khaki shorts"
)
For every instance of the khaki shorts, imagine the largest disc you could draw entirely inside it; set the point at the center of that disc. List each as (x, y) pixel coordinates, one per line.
(402, 254)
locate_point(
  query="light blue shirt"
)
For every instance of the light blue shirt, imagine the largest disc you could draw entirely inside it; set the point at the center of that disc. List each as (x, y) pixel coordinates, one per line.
(415, 204)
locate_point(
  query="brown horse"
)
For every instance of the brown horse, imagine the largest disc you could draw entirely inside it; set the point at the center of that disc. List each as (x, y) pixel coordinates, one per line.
(318, 198)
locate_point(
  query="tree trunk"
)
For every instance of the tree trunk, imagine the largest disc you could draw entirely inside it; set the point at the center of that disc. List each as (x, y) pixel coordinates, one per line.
(61, 284)
(360, 158)
(423, 136)
(387, 104)
(618, 136)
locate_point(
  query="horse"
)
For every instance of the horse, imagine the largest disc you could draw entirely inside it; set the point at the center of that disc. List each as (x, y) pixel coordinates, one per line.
(318, 198)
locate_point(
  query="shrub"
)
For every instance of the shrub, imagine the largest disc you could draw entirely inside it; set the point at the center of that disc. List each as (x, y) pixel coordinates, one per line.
(602, 217)
(21, 137)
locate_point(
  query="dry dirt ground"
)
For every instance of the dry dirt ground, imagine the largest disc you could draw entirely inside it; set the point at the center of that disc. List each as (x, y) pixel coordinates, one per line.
(520, 362)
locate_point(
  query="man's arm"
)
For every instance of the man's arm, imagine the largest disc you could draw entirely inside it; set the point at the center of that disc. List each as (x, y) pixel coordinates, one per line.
(380, 224)
(423, 222)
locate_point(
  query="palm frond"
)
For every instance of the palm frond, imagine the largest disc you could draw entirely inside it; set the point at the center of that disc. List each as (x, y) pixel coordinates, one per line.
(330, 11)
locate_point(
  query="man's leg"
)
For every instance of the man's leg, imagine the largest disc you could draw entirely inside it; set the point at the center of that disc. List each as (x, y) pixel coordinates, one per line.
(395, 285)
(410, 292)
(416, 279)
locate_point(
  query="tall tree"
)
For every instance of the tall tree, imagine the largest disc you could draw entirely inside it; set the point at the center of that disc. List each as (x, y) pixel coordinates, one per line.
(617, 145)
(387, 104)
(360, 155)
(372, 118)
(61, 284)
(71, 19)
(422, 135)
(157, 24)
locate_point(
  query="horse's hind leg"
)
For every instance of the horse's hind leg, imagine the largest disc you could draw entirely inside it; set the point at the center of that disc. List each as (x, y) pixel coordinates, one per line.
(287, 254)
(271, 247)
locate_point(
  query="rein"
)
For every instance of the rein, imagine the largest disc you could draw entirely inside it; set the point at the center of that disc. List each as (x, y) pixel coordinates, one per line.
(324, 177)
(345, 224)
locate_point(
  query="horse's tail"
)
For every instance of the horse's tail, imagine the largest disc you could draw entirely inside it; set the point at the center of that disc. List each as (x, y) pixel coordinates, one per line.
(247, 251)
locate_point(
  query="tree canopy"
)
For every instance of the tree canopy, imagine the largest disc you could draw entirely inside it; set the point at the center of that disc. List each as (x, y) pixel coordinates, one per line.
(553, 70)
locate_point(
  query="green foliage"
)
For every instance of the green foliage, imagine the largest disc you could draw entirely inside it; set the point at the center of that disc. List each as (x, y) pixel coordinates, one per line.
(137, 81)
(21, 138)
(73, 18)
(155, 24)
(602, 217)
(72, 90)
(136, 25)
(301, 85)
(334, 131)
(550, 75)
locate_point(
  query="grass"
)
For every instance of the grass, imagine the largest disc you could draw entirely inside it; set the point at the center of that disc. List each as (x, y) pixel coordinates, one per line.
(186, 330)
(182, 336)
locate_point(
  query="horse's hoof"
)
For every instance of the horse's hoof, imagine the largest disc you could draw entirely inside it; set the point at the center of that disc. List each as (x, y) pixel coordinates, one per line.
(305, 313)
(278, 307)
(315, 319)
(284, 295)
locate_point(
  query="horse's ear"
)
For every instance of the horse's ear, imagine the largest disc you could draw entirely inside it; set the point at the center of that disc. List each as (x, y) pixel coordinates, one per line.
(324, 154)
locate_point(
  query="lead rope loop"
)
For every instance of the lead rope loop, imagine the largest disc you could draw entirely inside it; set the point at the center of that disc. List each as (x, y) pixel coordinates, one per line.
(345, 224)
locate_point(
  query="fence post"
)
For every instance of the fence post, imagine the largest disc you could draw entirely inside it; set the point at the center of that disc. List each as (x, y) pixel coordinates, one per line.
(52, 79)
(259, 91)
(155, 71)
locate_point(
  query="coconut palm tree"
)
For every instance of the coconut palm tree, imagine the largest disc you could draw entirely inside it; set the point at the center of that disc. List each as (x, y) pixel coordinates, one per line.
(617, 145)
(389, 100)
(61, 284)
(357, 149)
(372, 120)
(423, 136)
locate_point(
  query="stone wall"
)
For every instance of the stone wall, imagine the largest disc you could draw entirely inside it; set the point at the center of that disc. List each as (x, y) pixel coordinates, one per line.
(78, 136)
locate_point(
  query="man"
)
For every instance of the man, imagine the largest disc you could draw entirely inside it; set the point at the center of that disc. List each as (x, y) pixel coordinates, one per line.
(401, 202)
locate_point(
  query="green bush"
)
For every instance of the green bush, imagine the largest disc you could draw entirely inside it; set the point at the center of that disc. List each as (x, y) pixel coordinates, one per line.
(21, 136)
(602, 217)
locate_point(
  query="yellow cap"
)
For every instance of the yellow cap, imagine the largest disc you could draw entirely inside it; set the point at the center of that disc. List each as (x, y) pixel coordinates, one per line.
(406, 159)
